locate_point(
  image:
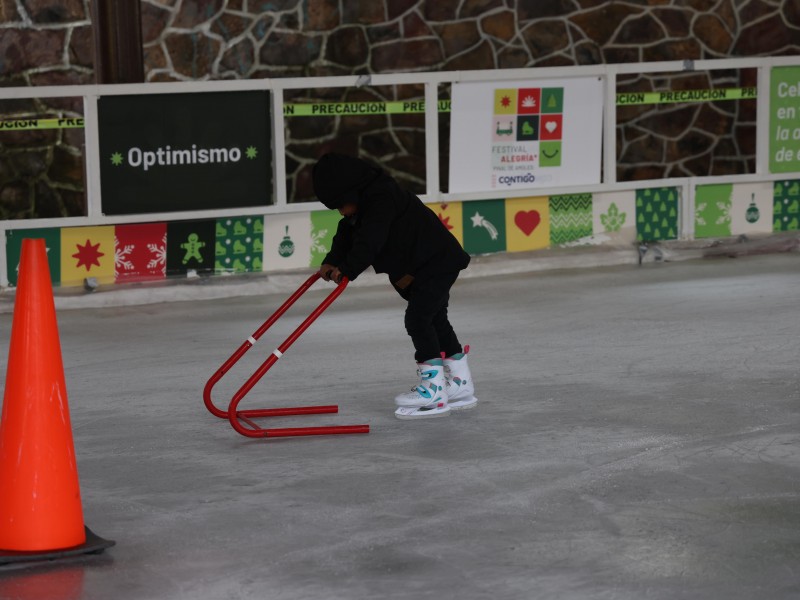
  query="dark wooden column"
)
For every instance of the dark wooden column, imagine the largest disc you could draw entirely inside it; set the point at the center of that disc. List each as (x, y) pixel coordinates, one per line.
(117, 41)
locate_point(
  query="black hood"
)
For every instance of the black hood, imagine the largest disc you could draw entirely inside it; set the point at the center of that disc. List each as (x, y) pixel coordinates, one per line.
(337, 178)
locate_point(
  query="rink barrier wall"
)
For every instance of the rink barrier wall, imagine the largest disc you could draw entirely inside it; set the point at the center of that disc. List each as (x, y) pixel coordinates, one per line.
(280, 236)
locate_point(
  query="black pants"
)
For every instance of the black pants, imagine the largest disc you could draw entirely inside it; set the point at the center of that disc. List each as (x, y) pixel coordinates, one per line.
(426, 317)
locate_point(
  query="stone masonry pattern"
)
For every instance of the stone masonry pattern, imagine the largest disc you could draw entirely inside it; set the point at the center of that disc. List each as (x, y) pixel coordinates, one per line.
(49, 42)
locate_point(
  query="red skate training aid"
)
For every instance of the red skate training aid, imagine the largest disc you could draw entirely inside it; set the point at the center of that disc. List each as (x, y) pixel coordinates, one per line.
(240, 418)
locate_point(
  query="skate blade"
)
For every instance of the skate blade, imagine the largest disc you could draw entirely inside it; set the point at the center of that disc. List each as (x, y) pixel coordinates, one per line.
(465, 404)
(411, 413)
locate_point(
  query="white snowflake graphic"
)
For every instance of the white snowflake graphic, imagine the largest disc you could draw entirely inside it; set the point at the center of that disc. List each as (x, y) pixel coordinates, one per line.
(724, 213)
(699, 209)
(159, 252)
(122, 258)
(316, 241)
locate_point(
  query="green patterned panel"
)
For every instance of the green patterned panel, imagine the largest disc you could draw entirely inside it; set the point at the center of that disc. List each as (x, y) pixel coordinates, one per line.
(786, 209)
(657, 214)
(570, 218)
(323, 228)
(239, 245)
(484, 226)
(712, 214)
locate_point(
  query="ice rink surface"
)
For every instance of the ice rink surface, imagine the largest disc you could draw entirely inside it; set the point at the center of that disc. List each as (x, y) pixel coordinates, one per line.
(637, 437)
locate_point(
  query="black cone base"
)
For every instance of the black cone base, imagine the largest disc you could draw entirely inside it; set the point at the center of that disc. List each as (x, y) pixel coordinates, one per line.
(93, 545)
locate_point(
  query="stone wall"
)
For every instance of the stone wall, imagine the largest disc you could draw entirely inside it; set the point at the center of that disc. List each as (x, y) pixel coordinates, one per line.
(43, 43)
(49, 41)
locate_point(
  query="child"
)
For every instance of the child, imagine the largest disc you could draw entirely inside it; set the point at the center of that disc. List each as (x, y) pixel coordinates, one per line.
(392, 230)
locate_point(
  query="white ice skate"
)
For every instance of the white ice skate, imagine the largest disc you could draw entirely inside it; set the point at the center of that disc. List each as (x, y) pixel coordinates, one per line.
(459, 386)
(428, 398)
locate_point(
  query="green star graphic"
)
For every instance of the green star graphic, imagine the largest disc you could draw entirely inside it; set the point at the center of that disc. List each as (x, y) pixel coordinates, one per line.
(251, 152)
(116, 159)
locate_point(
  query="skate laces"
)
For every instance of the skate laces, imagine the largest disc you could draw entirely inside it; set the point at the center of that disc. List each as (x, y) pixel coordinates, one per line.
(424, 375)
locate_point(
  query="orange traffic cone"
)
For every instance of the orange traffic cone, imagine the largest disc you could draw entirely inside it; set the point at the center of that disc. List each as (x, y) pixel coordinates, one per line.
(40, 503)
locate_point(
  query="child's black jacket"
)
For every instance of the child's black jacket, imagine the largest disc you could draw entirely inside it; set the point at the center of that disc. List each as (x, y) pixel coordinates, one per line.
(393, 230)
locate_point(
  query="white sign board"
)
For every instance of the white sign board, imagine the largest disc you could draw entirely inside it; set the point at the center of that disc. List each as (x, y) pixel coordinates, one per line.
(513, 135)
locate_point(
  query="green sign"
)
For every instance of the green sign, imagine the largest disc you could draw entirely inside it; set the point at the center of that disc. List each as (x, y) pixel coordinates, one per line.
(184, 152)
(784, 120)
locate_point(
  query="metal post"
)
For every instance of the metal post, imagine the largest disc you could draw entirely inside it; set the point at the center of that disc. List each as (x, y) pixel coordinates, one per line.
(92, 158)
(433, 190)
(762, 119)
(610, 126)
(118, 41)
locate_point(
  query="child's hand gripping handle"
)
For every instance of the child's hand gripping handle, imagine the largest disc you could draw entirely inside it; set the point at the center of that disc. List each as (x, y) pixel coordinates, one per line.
(330, 273)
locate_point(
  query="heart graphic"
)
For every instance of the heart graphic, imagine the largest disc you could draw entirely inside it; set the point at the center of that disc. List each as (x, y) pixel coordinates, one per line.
(527, 221)
(551, 126)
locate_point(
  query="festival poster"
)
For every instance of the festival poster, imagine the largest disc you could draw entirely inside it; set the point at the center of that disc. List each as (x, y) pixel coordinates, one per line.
(87, 252)
(140, 252)
(525, 134)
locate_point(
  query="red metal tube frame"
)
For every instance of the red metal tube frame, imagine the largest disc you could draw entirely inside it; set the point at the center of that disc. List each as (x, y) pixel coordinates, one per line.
(238, 417)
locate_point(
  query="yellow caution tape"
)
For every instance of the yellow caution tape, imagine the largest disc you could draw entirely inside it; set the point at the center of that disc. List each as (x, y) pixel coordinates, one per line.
(628, 98)
(332, 109)
(19, 124)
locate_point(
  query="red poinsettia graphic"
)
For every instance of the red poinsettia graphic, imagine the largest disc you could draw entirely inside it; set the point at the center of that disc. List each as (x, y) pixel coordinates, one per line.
(88, 255)
(445, 220)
